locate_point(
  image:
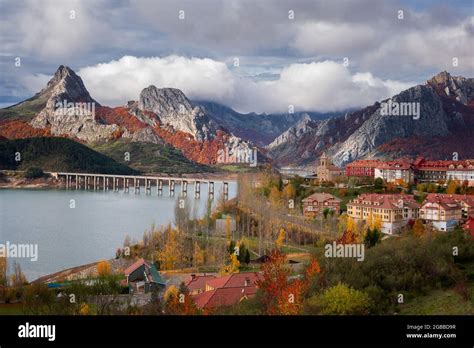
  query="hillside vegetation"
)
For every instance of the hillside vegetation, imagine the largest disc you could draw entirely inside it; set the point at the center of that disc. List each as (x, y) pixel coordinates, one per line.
(57, 154)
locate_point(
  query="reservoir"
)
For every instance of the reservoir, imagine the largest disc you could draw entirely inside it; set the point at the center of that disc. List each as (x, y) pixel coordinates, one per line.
(93, 229)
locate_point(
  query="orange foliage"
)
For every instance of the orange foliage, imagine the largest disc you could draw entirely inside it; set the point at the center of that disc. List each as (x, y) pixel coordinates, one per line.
(120, 116)
(21, 129)
(280, 295)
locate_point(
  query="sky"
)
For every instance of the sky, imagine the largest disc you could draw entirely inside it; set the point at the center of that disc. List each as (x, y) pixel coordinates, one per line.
(251, 55)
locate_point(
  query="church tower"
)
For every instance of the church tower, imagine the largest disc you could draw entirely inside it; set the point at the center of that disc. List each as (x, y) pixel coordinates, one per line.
(323, 161)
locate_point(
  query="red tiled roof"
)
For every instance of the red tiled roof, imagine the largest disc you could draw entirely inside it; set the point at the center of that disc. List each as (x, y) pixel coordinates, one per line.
(134, 266)
(198, 282)
(222, 297)
(365, 163)
(235, 279)
(397, 164)
(444, 200)
(321, 197)
(386, 201)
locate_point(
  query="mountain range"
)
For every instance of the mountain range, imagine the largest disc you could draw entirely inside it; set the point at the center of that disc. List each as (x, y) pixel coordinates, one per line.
(165, 120)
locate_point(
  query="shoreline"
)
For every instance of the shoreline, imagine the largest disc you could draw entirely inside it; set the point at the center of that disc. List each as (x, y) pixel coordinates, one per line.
(13, 180)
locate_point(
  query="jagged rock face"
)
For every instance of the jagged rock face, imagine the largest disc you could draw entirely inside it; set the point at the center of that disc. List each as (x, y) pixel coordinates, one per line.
(70, 110)
(460, 87)
(146, 135)
(173, 108)
(293, 133)
(358, 134)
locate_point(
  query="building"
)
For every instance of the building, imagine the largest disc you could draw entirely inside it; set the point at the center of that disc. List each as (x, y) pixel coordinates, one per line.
(362, 168)
(143, 278)
(442, 211)
(441, 171)
(469, 226)
(317, 202)
(393, 210)
(225, 291)
(326, 171)
(395, 171)
(197, 283)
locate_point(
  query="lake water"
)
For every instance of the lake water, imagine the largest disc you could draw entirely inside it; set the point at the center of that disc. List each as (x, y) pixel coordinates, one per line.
(91, 231)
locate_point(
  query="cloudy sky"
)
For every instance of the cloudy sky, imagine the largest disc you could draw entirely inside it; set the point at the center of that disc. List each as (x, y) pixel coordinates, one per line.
(252, 55)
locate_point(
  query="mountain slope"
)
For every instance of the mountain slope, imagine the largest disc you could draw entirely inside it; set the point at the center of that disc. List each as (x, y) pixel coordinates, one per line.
(445, 125)
(57, 154)
(260, 129)
(161, 115)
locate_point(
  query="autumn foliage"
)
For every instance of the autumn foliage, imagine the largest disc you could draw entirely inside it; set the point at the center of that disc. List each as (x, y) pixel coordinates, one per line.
(280, 295)
(20, 129)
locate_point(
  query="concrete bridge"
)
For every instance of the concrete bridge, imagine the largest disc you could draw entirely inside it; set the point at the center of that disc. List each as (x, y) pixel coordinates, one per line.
(106, 182)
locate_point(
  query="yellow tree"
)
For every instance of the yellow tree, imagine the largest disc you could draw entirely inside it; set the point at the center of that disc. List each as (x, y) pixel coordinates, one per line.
(232, 266)
(228, 227)
(103, 268)
(452, 186)
(281, 239)
(418, 228)
(171, 254)
(289, 191)
(275, 197)
(198, 255)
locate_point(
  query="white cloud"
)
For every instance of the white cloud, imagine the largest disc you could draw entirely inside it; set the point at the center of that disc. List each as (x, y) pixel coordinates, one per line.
(319, 86)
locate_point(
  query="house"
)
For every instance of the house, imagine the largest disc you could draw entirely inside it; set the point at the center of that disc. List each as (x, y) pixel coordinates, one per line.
(317, 202)
(326, 171)
(143, 278)
(466, 202)
(362, 168)
(442, 211)
(395, 171)
(224, 291)
(393, 210)
(197, 283)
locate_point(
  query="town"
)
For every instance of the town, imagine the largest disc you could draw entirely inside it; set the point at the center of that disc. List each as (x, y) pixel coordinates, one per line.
(285, 245)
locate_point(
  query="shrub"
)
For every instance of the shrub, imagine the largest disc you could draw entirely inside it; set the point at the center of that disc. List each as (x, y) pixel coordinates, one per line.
(34, 173)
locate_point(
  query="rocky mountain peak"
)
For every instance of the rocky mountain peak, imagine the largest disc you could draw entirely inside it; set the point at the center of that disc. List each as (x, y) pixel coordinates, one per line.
(173, 108)
(458, 87)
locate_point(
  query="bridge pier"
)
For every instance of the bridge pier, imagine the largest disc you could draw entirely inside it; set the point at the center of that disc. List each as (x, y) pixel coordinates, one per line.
(159, 187)
(171, 187)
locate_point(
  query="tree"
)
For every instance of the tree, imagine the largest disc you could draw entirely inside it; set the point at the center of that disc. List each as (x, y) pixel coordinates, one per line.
(289, 191)
(232, 265)
(326, 212)
(171, 255)
(103, 268)
(418, 228)
(279, 294)
(343, 300)
(228, 227)
(378, 183)
(18, 278)
(274, 197)
(198, 255)
(452, 187)
(372, 237)
(281, 239)
(3, 271)
(34, 173)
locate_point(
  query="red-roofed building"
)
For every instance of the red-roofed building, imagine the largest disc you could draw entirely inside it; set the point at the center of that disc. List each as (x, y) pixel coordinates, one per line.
(442, 211)
(197, 283)
(362, 168)
(394, 210)
(224, 291)
(434, 171)
(317, 202)
(393, 171)
(223, 297)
